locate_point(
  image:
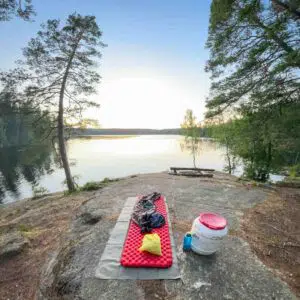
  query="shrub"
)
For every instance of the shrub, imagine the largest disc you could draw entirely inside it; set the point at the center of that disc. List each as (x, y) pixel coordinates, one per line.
(294, 171)
(39, 191)
(96, 185)
(92, 186)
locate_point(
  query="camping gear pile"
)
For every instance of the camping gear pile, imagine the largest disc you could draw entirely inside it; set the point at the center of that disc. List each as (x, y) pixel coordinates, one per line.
(122, 258)
(147, 218)
(145, 214)
(148, 242)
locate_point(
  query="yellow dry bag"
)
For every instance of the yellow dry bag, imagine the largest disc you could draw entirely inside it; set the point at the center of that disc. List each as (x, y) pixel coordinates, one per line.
(151, 244)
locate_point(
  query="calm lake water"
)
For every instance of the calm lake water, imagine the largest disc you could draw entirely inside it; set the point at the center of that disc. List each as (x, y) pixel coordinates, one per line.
(97, 158)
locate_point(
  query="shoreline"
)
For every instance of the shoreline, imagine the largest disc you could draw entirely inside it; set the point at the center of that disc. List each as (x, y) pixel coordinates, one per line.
(288, 184)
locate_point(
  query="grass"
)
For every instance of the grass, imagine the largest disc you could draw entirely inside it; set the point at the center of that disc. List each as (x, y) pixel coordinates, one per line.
(293, 182)
(32, 234)
(24, 228)
(96, 185)
(68, 193)
(28, 232)
(295, 178)
(92, 186)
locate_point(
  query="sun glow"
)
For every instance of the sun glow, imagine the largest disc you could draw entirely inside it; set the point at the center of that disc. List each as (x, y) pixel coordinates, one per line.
(143, 102)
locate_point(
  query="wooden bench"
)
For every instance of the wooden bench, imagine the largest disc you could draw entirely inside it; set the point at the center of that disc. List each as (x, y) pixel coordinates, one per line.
(194, 172)
(175, 169)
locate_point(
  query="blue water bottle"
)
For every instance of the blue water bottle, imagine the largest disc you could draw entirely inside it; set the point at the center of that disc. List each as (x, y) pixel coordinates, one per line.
(187, 241)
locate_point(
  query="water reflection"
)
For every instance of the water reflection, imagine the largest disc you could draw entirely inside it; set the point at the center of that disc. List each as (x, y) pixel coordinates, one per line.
(97, 158)
(18, 164)
(197, 146)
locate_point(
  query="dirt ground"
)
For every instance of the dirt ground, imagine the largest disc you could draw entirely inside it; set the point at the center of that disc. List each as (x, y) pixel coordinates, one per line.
(272, 229)
(43, 222)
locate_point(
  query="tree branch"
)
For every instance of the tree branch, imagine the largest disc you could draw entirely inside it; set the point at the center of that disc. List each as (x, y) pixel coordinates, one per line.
(288, 7)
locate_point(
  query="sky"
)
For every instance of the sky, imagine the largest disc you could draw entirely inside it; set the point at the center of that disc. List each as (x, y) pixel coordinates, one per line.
(153, 66)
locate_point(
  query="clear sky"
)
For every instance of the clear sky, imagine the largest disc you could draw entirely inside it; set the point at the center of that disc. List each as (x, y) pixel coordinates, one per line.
(153, 67)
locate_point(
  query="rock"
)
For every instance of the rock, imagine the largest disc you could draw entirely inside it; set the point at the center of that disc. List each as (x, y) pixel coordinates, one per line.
(11, 244)
(233, 273)
(90, 218)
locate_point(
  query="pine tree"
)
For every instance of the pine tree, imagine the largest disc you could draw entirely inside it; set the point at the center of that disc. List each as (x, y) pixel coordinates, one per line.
(57, 70)
(254, 54)
(21, 8)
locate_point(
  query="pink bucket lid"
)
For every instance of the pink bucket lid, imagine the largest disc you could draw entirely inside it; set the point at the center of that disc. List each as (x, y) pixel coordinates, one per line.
(213, 221)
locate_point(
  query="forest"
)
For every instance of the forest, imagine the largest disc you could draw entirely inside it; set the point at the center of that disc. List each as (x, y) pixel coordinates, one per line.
(253, 108)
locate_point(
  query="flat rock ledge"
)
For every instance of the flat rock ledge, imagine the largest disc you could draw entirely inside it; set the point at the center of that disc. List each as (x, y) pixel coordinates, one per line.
(233, 273)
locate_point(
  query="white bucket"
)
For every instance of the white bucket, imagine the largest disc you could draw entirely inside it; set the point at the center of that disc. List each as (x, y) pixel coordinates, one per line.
(208, 231)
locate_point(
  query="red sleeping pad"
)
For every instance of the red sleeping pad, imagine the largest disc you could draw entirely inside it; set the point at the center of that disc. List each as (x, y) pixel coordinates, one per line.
(132, 257)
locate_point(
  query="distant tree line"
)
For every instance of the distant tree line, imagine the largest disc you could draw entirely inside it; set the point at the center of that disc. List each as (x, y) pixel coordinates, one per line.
(123, 131)
(201, 131)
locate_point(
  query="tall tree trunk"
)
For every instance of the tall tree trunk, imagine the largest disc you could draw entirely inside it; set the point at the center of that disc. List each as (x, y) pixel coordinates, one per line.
(194, 159)
(60, 122)
(228, 157)
(61, 140)
(194, 152)
(269, 156)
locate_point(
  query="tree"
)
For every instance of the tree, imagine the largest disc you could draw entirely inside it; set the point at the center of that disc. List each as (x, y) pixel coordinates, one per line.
(227, 135)
(265, 143)
(254, 62)
(21, 123)
(191, 131)
(254, 54)
(59, 64)
(20, 8)
(84, 124)
(24, 153)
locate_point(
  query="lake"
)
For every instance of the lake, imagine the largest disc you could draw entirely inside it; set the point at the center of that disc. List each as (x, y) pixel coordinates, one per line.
(98, 157)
